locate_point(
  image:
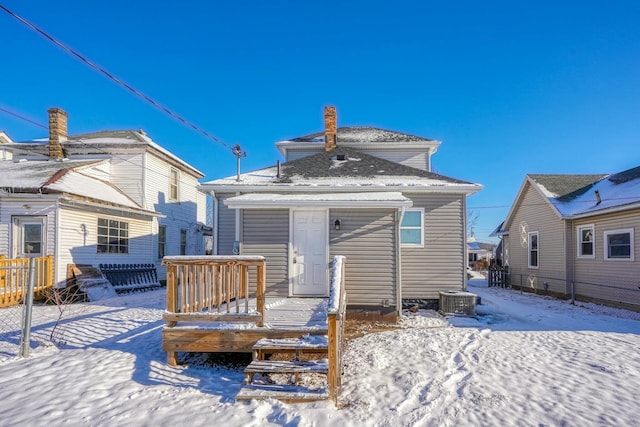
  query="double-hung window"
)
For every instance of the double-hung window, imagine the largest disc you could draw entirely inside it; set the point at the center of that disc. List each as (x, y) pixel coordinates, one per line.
(533, 249)
(162, 241)
(183, 242)
(585, 241)
(412, 228)
(618, 245)
(174, 184)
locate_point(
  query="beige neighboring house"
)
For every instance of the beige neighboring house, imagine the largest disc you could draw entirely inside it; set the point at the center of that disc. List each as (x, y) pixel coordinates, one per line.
(575, 234)
(362, 192)
(109, 197)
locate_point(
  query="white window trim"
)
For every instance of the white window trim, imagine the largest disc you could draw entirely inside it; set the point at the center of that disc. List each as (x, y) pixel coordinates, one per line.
(631, 243)
(529, 234)
(579, 229)
(177, 198)
(413, 245)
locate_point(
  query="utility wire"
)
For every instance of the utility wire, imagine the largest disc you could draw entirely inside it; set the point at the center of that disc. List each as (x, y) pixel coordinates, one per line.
(21, 117)
(115, 79)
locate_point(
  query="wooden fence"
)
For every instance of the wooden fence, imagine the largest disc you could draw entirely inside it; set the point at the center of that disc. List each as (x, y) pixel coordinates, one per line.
(14, 278)
(498, 276)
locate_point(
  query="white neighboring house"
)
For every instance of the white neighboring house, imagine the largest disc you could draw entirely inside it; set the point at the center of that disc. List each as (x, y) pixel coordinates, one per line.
(110, 197)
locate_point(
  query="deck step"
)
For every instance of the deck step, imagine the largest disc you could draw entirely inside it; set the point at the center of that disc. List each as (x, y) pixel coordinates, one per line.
(287, 393)
(287, 367)
(308, 343)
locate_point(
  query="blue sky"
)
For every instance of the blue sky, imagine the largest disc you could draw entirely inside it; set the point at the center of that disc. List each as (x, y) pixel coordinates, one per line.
(508, 87)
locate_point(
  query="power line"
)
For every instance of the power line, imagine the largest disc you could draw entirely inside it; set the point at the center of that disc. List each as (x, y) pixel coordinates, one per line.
(21, 117)
(115, 79)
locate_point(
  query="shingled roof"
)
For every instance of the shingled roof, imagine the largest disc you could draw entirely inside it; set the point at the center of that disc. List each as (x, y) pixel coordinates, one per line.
(363, 134)
(566, 187)
(347, 162)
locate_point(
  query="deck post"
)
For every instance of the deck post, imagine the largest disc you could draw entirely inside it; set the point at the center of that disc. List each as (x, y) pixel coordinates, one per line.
(261, 284)
(172, 292)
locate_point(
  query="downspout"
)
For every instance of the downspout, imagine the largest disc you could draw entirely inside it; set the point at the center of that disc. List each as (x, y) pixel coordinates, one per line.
(237, 224)
(465, 251)
(400, 217)
(56, 244)
(215, 222)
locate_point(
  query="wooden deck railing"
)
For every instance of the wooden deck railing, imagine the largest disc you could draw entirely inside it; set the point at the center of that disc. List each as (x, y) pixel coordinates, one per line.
(14, 278)
(214, 288)
(335, 323)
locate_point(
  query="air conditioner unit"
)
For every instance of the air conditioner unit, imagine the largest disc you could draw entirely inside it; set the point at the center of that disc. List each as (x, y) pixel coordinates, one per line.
(458, 303)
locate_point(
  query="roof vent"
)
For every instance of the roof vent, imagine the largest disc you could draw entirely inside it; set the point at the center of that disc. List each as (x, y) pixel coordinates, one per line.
(341, 157)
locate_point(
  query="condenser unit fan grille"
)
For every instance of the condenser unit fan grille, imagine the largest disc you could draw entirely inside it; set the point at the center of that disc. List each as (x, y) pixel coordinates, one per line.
(458, 303)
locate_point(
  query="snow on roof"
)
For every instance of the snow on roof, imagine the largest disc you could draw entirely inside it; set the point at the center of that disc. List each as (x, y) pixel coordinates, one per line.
(615, 191)
(363, 134)
(376, 199)
(28, 175)
(343, 167)
(60, 177)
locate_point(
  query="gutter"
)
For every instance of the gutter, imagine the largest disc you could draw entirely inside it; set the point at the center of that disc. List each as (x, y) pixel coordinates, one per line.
(450, 189)
(400, 216)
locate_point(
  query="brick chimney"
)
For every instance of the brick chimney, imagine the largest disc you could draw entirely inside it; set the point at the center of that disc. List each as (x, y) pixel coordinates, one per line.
(57, 132)
(330, 128)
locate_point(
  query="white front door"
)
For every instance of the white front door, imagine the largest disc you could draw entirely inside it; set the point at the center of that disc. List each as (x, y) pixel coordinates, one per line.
(309, 256)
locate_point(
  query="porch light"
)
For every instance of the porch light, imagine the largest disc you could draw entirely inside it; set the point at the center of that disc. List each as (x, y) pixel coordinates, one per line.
(337, 224)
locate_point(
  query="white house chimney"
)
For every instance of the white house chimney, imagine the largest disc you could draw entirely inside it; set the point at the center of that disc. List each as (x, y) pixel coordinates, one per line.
(330, 128)
(57, 132)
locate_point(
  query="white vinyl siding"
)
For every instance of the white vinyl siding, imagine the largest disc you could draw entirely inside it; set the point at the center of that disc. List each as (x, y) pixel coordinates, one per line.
(585, 241)
(367, 238)
(294, 154)
(127, 173)
(619, 245)
(77, 244)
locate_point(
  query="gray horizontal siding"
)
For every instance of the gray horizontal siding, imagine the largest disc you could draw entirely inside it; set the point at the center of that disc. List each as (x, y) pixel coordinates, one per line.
(440, 264)
(418, 159)
(603, 279)
(226, 232)
(367, 239)
(535, 214)
(266, 232)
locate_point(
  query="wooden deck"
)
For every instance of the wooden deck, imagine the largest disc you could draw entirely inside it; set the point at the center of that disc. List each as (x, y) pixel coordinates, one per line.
(212, 306)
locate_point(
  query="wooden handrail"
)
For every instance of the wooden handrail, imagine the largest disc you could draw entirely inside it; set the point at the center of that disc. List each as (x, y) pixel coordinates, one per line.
(214, 284)
(335, 323)
(14, 278)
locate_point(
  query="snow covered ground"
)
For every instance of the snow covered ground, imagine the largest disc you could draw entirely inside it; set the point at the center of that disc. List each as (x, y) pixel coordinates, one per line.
(526, 360)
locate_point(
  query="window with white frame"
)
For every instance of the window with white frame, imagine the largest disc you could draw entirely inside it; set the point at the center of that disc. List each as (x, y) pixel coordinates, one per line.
(183, 242)
(533, 249)
(412, 228)
(585, 241)
(113, 236)
(162, 241)
(174, 181)
(618, 245)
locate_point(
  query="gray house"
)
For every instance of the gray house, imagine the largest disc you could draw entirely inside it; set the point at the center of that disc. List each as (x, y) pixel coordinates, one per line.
(575, 234)
(362, 192)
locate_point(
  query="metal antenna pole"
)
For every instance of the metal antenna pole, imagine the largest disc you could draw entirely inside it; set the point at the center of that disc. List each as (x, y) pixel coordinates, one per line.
(237, 151)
